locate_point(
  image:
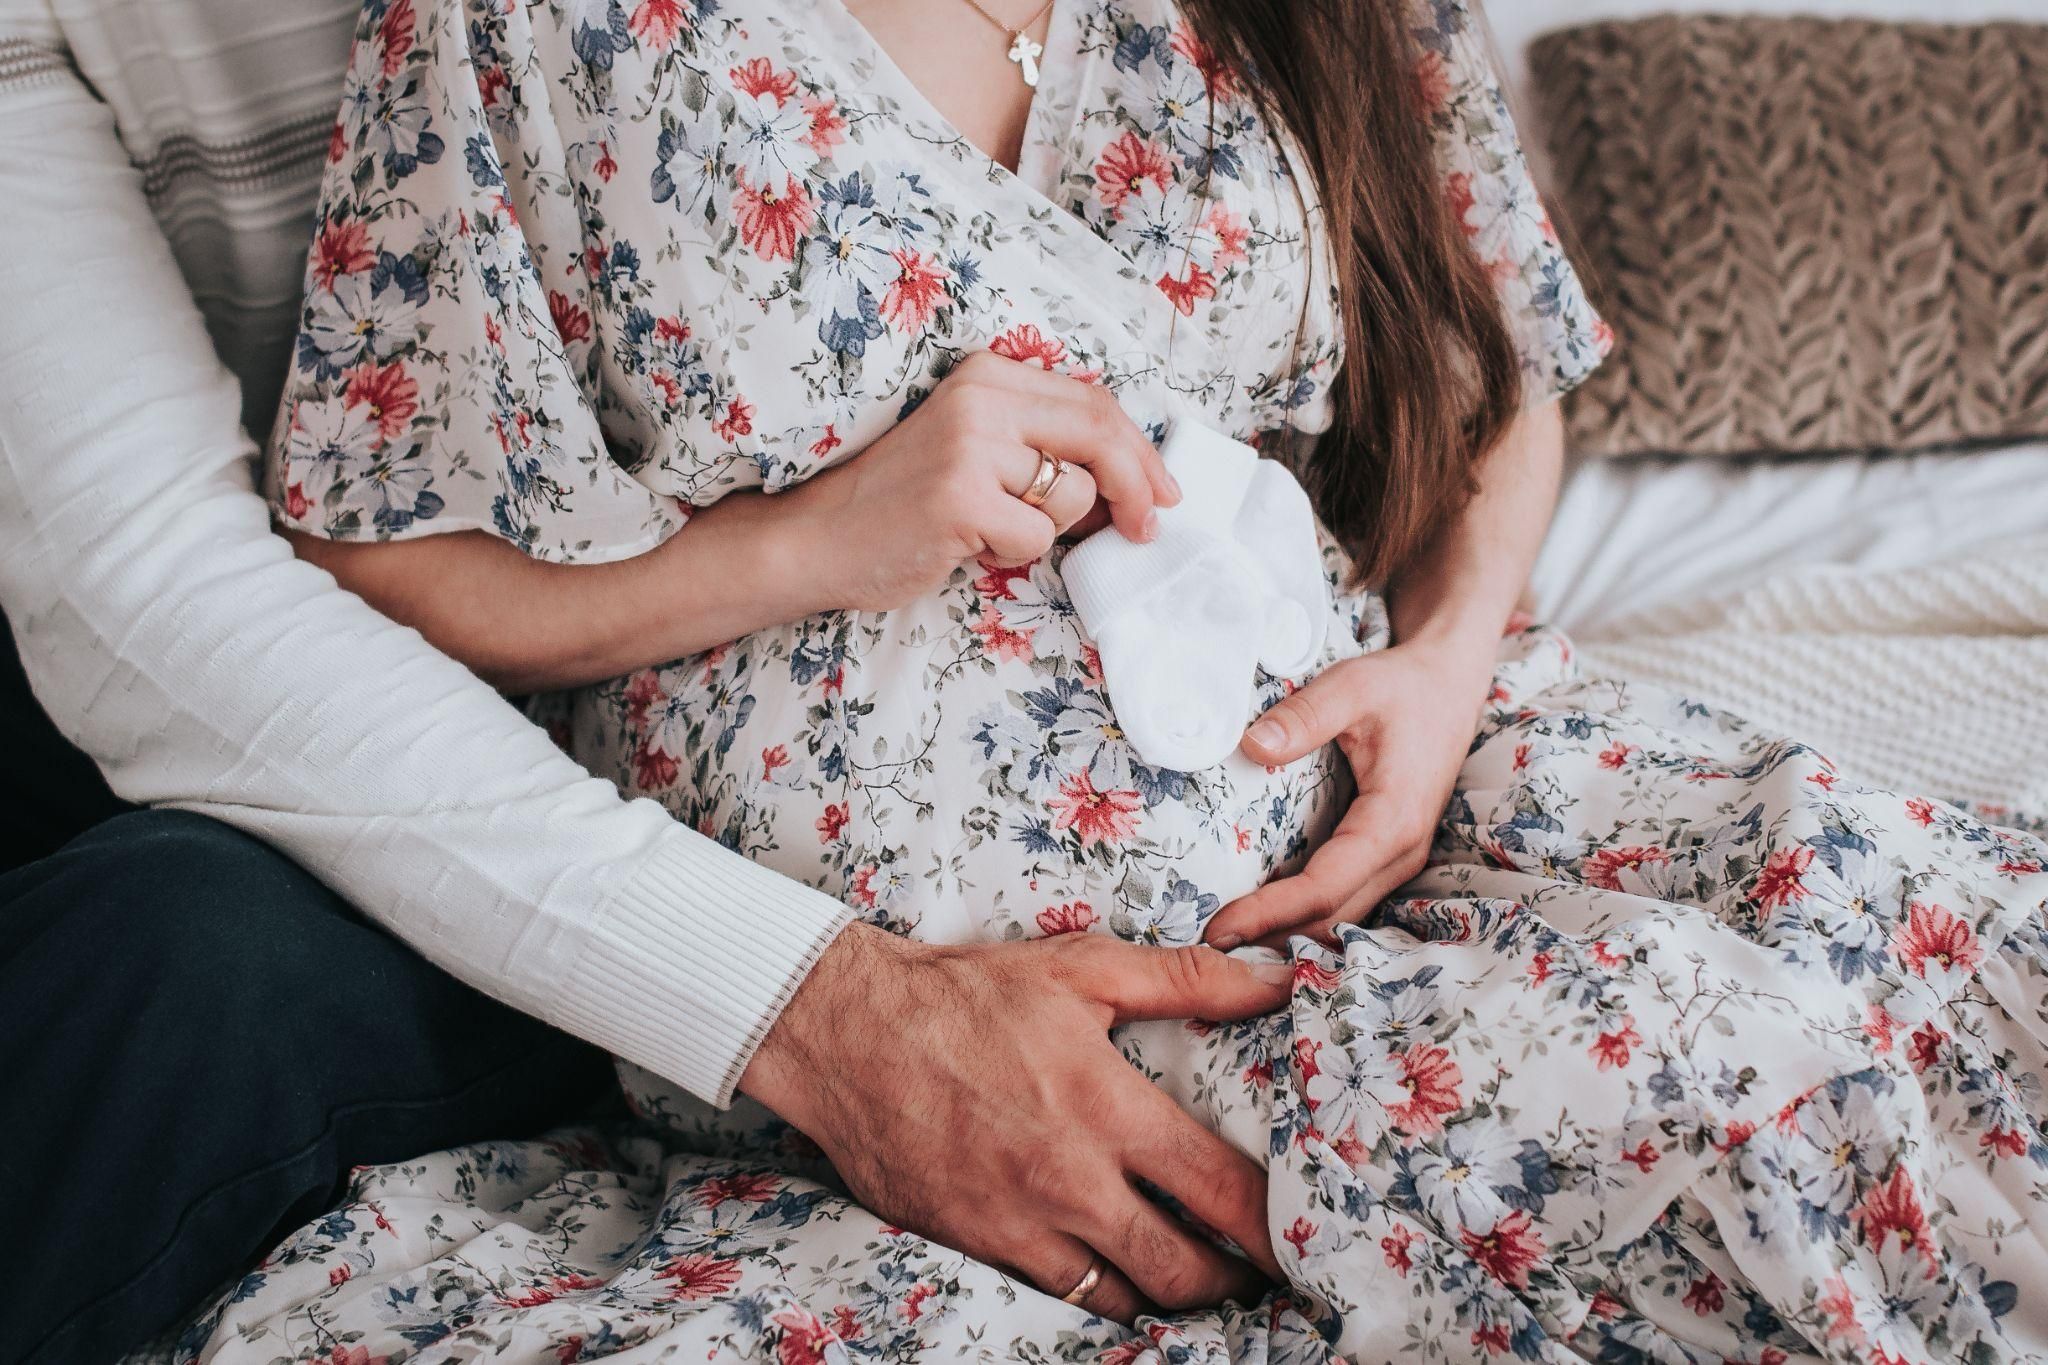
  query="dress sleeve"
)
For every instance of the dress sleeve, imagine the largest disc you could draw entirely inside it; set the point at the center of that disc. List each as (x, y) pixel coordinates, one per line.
(445, 372)
(1486, 174)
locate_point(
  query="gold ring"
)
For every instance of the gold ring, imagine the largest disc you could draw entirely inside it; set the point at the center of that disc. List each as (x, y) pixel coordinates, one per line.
(1050, 470)
(1087, 1285)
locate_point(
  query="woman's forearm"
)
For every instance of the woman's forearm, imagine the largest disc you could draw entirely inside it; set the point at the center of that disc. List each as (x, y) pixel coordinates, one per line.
(526, 625)
(1460, 592)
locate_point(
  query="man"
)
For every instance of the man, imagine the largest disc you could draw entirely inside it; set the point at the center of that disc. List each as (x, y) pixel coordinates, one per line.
(201, 1030)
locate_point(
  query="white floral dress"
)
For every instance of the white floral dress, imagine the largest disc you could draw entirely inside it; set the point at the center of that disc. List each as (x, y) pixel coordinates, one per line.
(1682, 1050)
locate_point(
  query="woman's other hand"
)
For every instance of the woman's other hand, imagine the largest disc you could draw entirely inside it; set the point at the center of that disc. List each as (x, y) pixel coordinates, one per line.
(1404, 718)
(942, 488)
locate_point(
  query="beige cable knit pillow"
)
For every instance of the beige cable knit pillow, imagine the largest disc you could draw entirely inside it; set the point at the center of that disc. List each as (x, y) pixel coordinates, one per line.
(1810, 235)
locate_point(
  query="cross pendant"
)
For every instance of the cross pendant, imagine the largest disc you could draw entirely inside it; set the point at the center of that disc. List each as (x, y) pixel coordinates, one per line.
(1025, 54)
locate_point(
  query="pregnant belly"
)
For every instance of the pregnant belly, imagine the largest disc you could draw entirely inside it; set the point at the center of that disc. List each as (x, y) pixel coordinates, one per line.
(953, 770)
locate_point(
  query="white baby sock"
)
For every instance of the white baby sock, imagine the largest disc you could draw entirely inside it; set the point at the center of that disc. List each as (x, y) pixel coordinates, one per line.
(1234, 580)
(1178, 626)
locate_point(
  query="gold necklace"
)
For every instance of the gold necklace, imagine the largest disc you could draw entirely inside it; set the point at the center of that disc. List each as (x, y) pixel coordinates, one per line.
(1023, 51)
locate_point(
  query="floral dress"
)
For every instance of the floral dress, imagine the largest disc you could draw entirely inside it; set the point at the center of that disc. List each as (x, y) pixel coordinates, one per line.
(1683, 1049)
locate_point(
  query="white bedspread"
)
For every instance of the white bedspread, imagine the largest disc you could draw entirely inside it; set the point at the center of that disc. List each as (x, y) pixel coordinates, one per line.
(1891, 610)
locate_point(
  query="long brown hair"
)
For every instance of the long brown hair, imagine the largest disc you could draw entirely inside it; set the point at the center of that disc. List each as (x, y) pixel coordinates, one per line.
(1430, 377)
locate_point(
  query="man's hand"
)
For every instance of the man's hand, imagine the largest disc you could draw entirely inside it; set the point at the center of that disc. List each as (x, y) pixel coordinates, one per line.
(973, 1095)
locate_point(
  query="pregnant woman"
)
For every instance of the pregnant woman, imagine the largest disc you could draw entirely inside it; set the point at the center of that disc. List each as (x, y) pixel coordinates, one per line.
(731, 372)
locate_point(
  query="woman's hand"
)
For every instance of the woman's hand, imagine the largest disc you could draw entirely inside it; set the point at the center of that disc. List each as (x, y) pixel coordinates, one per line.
(942, 487)
(1404, 717)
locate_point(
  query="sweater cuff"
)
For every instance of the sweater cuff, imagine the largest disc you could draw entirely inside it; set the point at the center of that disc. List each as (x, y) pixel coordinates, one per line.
(692, 963)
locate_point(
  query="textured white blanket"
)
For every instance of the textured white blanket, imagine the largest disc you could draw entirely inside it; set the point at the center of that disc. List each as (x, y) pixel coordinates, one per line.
(1930, 679)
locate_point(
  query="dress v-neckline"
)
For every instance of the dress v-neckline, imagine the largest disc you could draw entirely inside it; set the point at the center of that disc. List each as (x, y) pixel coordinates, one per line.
(1033, 186)
(1057, 69)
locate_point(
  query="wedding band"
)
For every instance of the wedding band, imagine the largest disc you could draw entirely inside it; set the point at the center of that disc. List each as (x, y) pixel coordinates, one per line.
(1050, 471)
(1087, 1285)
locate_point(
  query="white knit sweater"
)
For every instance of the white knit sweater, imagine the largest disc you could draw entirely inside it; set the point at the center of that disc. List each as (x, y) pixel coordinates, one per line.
(158, 164)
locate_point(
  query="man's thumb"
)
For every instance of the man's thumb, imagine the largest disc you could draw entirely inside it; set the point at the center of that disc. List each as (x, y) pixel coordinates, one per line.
(1139, 982)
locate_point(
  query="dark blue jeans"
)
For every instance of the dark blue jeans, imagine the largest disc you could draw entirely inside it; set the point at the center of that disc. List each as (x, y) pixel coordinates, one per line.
(197, 1042)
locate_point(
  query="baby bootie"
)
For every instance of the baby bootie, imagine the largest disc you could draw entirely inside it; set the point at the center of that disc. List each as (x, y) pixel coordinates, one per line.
(1234, 581)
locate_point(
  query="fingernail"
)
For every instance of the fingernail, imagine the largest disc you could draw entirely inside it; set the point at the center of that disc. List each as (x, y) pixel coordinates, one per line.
(1150, 530)
(1223, 943)
(1173, 487)
(1274, 973)
(1267, 734)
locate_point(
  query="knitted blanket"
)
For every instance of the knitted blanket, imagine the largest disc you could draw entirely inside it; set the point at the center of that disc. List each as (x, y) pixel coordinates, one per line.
(1926, 679)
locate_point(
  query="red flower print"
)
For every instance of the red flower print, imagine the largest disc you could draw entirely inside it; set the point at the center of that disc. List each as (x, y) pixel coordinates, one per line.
(2008, 1142)
(569, 1351)
(1521, 757)
(912, 1307)
(1126, 1353)
(1839, 1307)
(1394, 1246)
(913, 296)
(652, 768)
(296, 503)
(1780, 883)
(1100, 817)
(862, 887)
(738, 420)
(1232, 235)
(999, 641)
(2019, 867)
(606, 164)
(828, 125)
(341, 249)
(351, 1355)
(1305, 1067)
(1824, 780)
(1297, 1236)
(748, 1187)
(1615, 755)
(1220, 80)
(1923, 1049)
(1705, 1295)
(1492, 1338)
(1604, 868)
(1025, 342)
(1431, 1079)
(773, 757)
(1920, 810)
(832, 822)
(337, 143)
(1604, 1306)
(1185, 294)
(1934, 934)
(532, 1298)
(341, 1274)
(1458, 188)
(700, 1277)
(1313, 973)
(803, 1339)
(1893, 1209)
(1643, 1157)
(826, 444)
(657, 22)
(388, 391)
(1613, 1048)
(999, 582)
(1606, 956)
(642, 693)
(1124, 167)
(572, 321)
(771, 221)
(759, 77)
(1432, 82)
(1539, 969)
(394, 36)
(1073, 917)
(1877, 1027)
(1509, 1252)
(672, 331)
